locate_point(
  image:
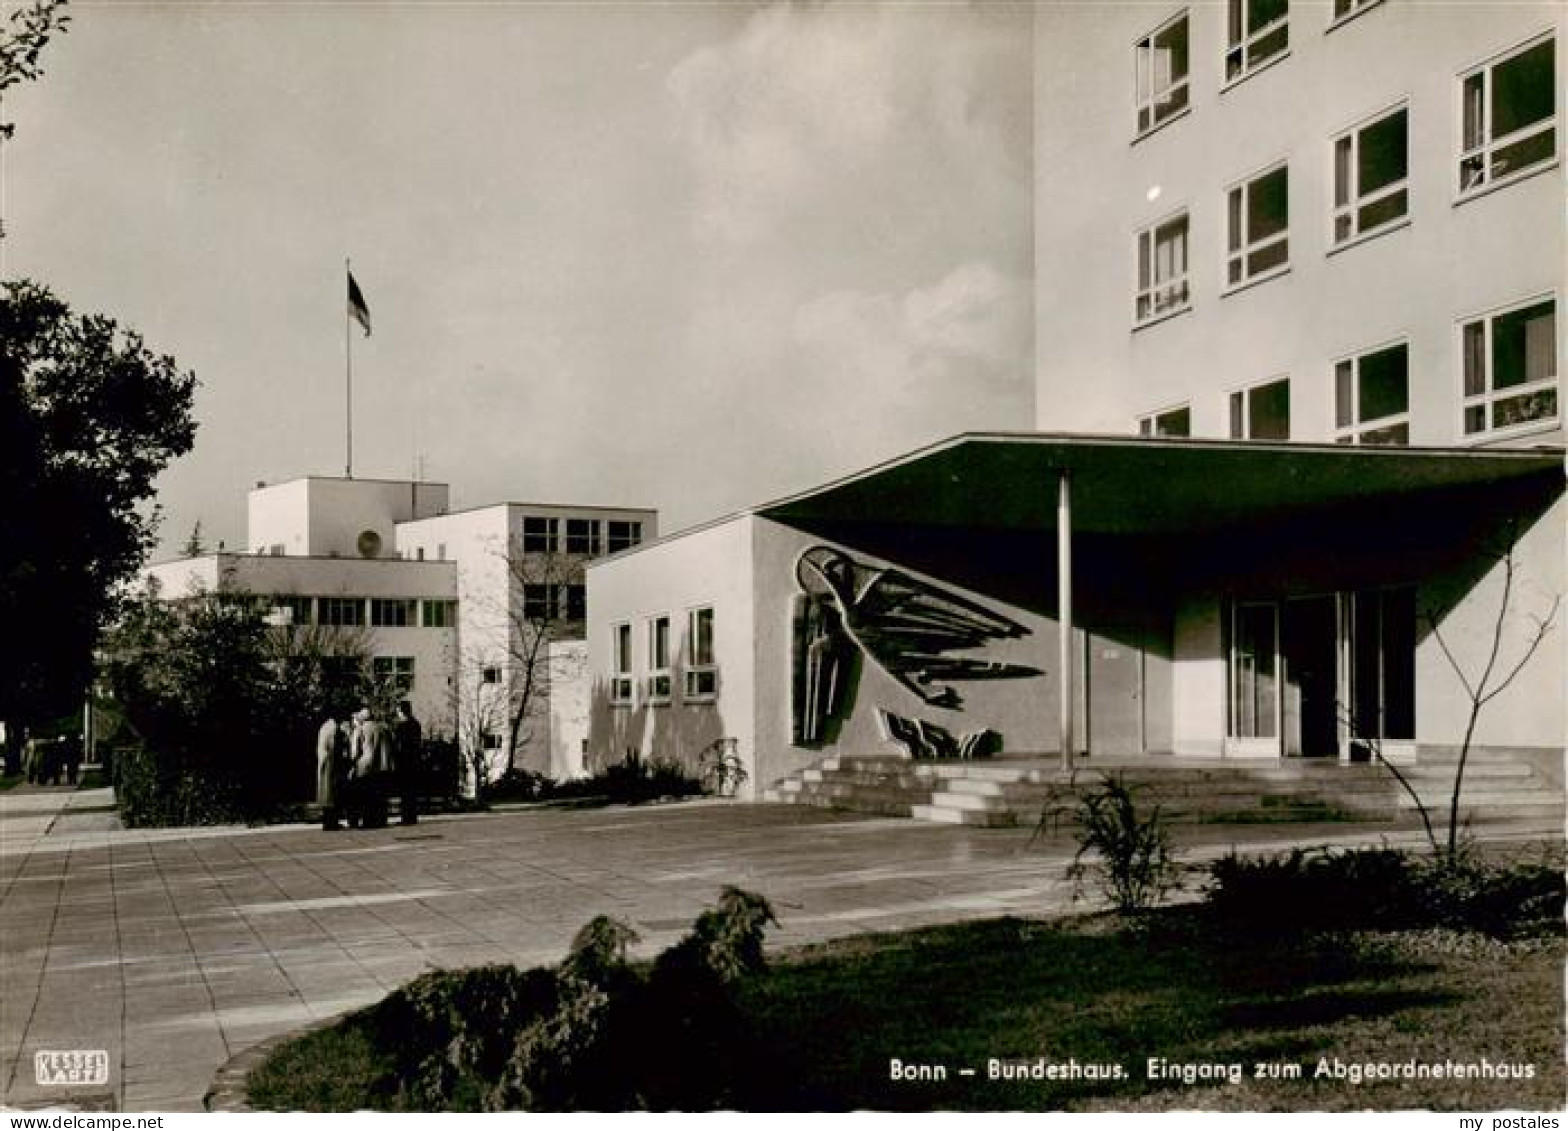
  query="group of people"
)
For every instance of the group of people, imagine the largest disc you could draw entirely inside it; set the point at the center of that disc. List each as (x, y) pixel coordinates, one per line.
(46, 761)
(359, 762)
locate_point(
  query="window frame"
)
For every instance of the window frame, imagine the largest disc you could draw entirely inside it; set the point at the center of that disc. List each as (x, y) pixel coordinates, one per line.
(1355, 8)
(1357, 201)
(1146, 244)
(550, 536)
(1150, 105)
(631, 535)
(1484, 150)
(394, 671)
(700, 671)
(1492, 394)
(1245, 392)
(621, 664)
(1250, 248)
(594, 538)
(301, 609)
(1356, 431)
(359, 620)
(1248, 40)
(1152, 419)
(437, 612)
(394, 612)
(659, 686)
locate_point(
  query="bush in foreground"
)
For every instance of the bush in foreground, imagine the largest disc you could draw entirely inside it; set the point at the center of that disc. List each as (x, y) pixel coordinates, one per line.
(596, 1032)
(1324, 889)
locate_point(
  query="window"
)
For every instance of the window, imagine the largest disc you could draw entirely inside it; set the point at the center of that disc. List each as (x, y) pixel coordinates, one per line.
(576, 602)
(1161, 63)
(392, 612)
(1258, 30)
(1162, 269)
(394, 671)
(702, 673)
(1344, 9)
(490, 674)
(1171, 422)
(340, 611)
(1261, 412)
(342, 673)
(293, 610)
(582, 536)
(659, 660)
(1383, 666)
(1258, 227)
(1508, 109)
(1254, 668)
(538, 601)
(624, 535)
(1510, 368)
(1371, 170)
(621, 661)
(438, 614)
(540, 536)
(1372, 397)
(489, 740)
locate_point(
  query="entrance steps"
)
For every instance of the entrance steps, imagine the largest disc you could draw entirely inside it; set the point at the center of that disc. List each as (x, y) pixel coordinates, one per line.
(1015, 791)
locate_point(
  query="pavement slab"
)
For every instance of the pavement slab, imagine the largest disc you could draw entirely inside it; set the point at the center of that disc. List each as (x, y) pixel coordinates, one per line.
(175, 949)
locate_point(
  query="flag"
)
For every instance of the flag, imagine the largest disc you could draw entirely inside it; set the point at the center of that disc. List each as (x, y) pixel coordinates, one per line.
(357, 310)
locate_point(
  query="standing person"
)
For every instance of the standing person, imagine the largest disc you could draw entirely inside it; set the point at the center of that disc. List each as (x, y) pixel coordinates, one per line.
(372, 765)
(408, 741)
(332, 787)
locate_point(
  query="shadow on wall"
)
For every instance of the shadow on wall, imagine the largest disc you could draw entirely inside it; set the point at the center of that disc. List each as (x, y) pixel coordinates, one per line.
(679, 732)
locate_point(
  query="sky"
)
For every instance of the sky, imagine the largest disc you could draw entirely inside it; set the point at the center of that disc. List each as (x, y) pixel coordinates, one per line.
(686, 256)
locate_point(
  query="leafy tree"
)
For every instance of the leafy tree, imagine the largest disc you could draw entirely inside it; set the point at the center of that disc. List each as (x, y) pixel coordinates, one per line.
(22, 44)
(223, 704)
(88, 418)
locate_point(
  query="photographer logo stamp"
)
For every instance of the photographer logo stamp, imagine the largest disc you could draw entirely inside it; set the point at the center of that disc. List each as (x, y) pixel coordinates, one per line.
(66, 1067)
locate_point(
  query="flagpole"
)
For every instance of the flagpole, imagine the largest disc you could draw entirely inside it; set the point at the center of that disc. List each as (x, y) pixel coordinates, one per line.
(348, 383)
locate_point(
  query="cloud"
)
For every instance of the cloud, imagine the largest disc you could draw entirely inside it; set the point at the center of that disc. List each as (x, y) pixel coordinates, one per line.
(973, 325)
(810, 110)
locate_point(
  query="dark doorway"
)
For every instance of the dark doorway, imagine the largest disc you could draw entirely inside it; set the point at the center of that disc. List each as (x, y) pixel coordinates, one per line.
(1309, 641)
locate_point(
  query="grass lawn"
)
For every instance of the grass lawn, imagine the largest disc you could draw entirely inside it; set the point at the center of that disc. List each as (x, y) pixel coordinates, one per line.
(10, 781)
(827, 1021)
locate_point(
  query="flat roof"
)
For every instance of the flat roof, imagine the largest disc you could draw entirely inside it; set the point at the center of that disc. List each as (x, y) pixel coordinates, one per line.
(1144, 485)
(530, 506)
(263, 485)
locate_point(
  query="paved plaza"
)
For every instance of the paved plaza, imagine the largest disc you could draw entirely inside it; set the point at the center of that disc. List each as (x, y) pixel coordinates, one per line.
(175, 949)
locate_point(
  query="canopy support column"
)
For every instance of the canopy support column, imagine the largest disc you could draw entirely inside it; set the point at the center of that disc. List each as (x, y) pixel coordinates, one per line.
(1064, 607)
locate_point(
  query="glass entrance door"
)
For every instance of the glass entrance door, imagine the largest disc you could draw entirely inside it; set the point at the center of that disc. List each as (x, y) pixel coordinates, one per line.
(1254, 679)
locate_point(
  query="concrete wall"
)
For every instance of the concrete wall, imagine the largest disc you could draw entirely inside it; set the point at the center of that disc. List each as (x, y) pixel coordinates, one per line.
(1199, 676)
(710, 566)
(1096, 187)
(325, 517)
(570, 692)
(1023, 711)
(1465, 603)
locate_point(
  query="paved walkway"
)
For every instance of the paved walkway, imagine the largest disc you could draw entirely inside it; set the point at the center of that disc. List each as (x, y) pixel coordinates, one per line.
(174, 949)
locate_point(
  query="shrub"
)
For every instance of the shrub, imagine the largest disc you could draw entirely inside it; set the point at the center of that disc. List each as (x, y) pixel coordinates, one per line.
(1127, 852)
(594, 1033)
(1323, 889)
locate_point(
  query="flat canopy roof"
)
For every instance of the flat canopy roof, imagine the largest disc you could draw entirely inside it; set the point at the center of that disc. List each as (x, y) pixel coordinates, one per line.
(1137, 485)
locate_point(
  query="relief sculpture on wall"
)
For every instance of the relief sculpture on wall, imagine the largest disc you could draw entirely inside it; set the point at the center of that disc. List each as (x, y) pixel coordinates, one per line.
(914, 630)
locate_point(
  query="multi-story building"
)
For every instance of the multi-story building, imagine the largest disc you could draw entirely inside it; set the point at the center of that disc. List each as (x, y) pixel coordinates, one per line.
(322, 550)
(462, 610)
(1327, 222)
(1299, 489)
(524, 599)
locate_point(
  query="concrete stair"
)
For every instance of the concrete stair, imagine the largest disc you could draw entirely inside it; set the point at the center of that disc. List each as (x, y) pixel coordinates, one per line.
(1016, 791)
